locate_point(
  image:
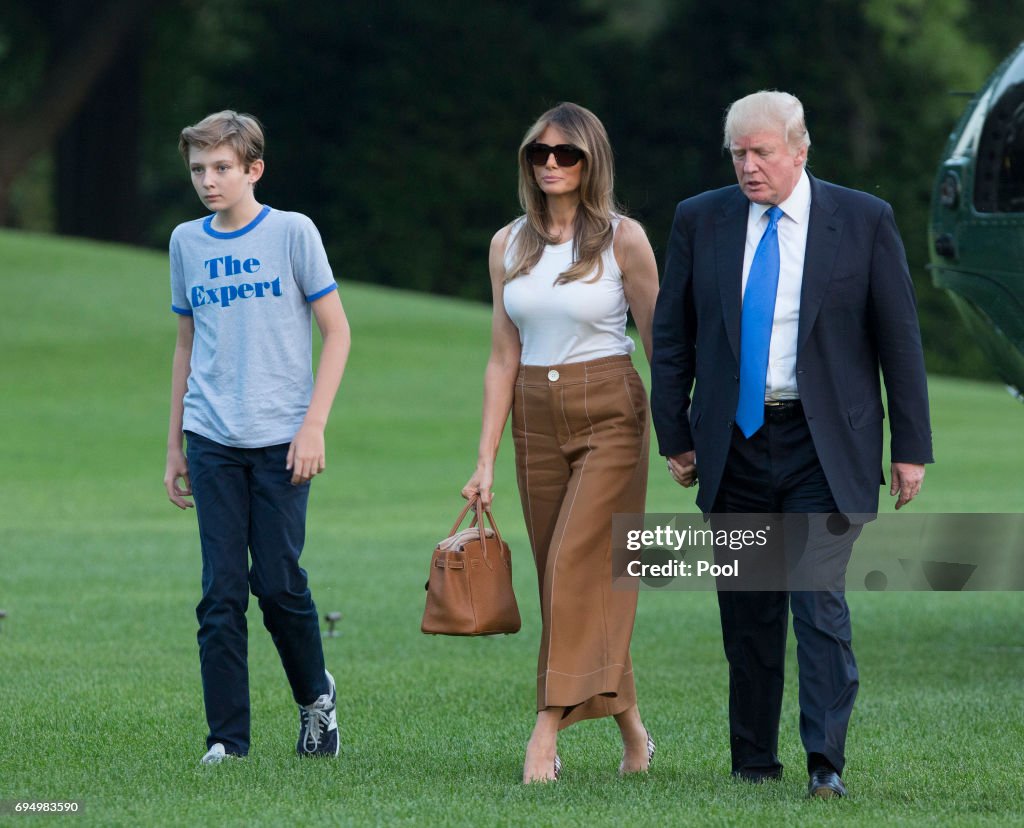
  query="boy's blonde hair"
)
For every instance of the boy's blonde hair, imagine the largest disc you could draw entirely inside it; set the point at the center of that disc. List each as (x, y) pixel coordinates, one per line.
(242, 132)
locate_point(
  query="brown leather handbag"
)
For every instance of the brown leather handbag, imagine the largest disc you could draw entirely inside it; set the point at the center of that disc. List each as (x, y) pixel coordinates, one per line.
(470, 587)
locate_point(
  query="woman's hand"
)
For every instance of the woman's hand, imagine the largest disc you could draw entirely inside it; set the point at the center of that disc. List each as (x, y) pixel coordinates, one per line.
(683, 468)
(480, 484)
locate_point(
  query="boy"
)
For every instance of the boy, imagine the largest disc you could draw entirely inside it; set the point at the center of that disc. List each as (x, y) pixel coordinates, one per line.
(243, 399)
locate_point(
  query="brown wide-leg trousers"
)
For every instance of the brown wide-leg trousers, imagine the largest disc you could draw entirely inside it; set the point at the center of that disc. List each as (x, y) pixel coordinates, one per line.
(581, 439)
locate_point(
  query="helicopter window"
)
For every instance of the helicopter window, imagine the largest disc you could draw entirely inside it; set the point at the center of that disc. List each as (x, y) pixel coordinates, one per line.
(999, 177)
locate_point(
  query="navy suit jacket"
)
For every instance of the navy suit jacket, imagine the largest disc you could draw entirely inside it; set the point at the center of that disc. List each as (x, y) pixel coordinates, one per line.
(857, 315)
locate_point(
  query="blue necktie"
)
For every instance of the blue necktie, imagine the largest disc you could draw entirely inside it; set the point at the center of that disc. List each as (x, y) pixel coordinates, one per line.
(756, 326)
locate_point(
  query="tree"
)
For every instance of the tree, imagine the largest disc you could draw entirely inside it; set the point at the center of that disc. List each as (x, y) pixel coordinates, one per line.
(874, 78)
(53, 56)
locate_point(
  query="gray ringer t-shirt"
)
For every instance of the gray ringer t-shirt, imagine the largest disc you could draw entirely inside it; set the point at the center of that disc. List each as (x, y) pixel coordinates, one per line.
(249, 293)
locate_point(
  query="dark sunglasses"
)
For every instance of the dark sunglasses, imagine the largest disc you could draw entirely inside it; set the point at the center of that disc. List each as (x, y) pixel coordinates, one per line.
(566, 155)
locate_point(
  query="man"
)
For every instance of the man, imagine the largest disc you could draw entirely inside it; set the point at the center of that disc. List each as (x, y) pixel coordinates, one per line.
(782, 297)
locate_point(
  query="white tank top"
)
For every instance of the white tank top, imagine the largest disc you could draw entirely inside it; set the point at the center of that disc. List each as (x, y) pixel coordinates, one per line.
(563, 323)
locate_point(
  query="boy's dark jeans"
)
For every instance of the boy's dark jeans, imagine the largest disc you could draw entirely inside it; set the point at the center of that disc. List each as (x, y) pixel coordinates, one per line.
(246, 503)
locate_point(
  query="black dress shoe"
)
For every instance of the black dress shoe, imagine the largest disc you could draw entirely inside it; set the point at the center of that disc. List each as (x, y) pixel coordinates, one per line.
(825, 784)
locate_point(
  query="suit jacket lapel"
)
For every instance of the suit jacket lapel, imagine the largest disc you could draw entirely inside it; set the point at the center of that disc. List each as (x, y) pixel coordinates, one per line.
(824, 230)
(730, 239)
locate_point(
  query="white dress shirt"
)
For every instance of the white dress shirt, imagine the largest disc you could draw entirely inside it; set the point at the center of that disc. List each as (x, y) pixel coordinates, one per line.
(780, 383)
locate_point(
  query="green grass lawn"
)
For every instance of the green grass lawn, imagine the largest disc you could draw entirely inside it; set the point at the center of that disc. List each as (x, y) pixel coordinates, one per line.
(99, 684)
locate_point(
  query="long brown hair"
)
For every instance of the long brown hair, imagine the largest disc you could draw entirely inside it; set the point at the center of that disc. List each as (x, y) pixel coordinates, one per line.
(592, 227)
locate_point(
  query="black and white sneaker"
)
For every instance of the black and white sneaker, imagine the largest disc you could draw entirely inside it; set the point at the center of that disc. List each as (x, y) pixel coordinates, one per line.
(217, 754)
(318, 725)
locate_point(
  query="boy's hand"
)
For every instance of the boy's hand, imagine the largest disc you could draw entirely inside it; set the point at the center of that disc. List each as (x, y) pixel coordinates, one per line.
(306, 455)
(177, 469)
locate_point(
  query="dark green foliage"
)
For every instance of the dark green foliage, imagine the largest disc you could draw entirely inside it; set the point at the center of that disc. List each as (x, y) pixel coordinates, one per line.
(395, 124)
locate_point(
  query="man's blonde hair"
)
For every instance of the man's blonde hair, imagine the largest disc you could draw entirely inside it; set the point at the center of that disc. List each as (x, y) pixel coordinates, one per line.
(767, 111)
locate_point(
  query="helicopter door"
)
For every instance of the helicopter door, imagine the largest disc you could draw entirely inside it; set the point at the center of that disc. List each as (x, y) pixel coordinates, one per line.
(999, 174)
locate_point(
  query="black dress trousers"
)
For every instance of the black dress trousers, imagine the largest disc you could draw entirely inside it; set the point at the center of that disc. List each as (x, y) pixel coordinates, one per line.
(776, 472)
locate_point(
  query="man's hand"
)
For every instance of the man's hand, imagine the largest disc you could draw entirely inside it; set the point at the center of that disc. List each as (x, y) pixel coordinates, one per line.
(906, 481)
(683, 468)
(307, 456)
(177, 470)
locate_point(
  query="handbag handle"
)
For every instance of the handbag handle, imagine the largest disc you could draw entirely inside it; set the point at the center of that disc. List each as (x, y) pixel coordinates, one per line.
(462, 514)
(478, 520)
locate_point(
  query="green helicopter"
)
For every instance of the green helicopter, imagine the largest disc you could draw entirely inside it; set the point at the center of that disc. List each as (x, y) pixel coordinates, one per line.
(976, 232)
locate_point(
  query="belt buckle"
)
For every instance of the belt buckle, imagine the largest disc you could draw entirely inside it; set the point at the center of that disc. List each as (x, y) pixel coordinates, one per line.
(778, 411)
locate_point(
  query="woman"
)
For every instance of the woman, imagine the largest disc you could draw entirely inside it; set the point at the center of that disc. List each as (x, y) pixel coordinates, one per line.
(563, 276)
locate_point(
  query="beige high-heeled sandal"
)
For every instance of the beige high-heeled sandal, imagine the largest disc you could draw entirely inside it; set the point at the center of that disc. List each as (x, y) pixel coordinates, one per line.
(650, 757)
